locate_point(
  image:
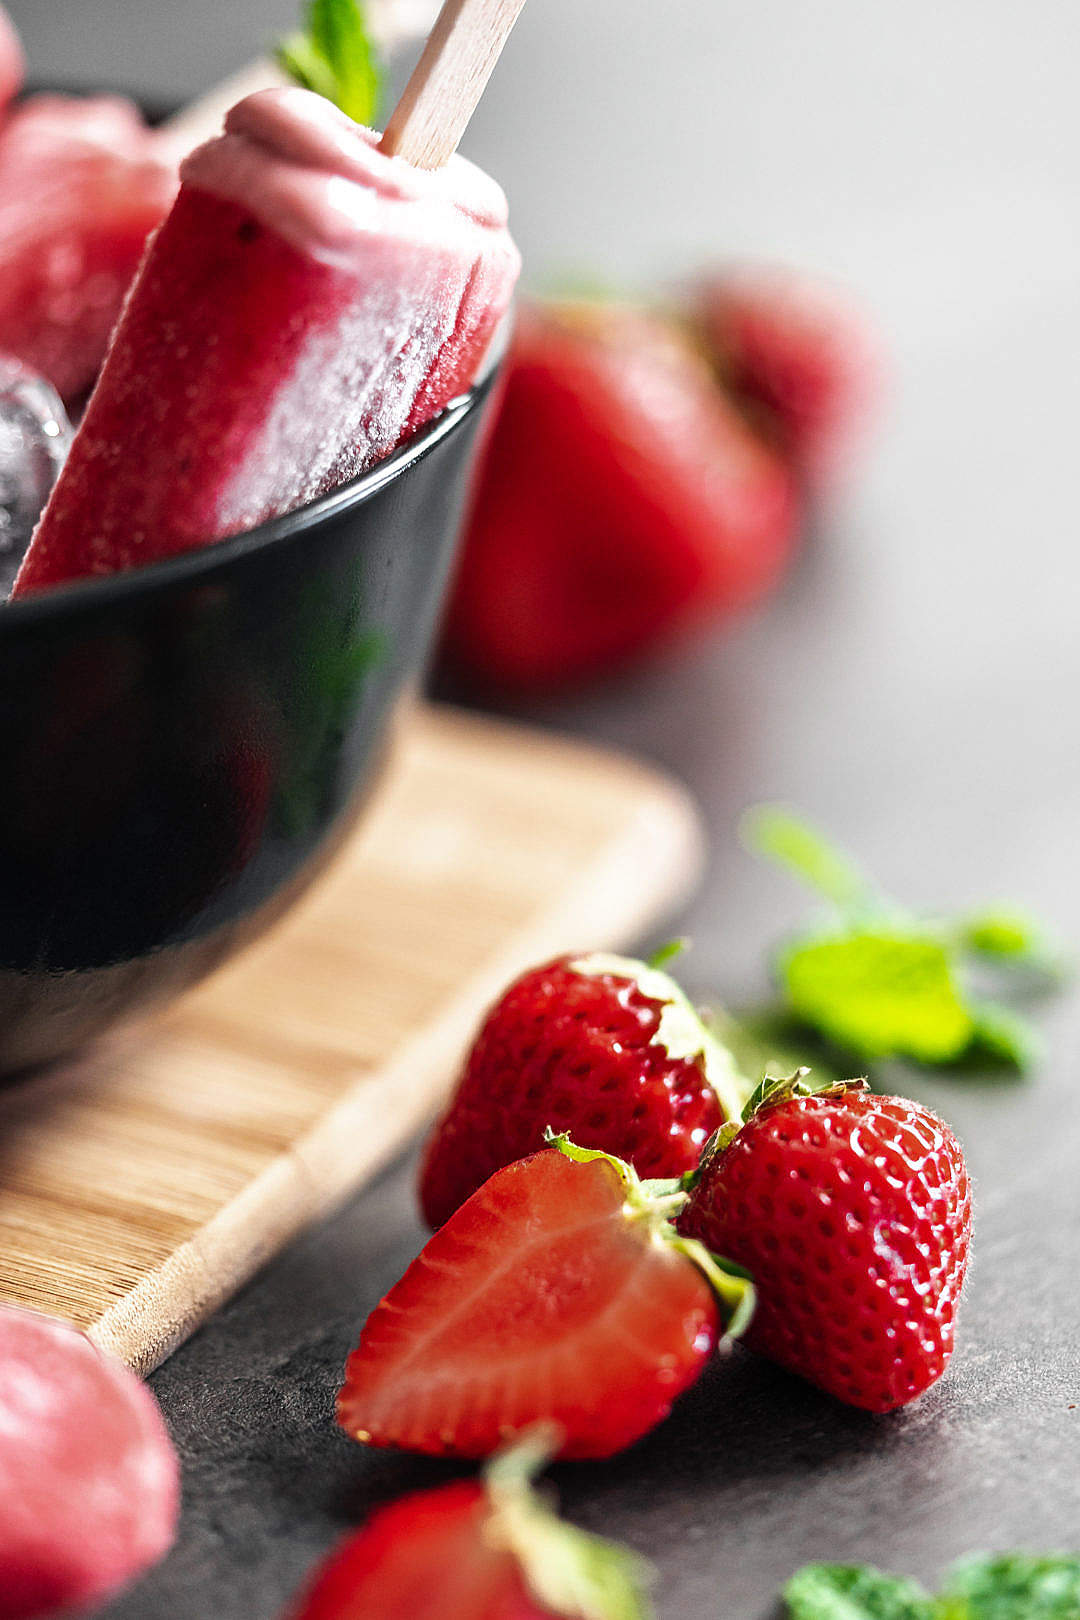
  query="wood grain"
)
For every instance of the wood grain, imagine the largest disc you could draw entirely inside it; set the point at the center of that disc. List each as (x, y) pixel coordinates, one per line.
(442, 94)
(141, 1184)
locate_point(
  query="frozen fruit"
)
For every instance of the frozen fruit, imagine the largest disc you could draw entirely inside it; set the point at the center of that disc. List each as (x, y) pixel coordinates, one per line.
(82, 183)
(602, 1047)
(88, 1477)
(853, 1212)
(308, 303)
(559, 1292)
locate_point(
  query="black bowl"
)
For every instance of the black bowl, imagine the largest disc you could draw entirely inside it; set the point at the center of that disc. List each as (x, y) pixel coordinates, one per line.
(182, 747)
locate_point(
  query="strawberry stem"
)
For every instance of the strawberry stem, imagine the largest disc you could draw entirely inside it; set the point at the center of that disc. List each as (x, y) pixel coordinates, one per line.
(657, 1202)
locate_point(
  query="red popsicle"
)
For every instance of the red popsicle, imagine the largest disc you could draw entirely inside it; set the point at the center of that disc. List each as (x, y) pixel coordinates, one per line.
(309, 301)
(82, 183)
(89, 1482)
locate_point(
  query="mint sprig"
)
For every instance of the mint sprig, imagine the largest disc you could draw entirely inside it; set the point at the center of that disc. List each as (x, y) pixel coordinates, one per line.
(878, 982)
(334, 55)
(1004, 1586)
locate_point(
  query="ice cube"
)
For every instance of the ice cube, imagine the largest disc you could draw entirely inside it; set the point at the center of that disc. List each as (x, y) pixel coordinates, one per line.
(35, 436)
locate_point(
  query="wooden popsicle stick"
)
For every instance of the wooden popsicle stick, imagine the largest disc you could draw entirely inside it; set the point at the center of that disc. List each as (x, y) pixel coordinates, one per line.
(448, 81)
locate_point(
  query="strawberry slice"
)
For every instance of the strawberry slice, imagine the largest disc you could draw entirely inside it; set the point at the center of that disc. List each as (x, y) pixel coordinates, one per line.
(82, 183)
(559, 1292)
(604, 1047)
(623, 501)
(467, 1551)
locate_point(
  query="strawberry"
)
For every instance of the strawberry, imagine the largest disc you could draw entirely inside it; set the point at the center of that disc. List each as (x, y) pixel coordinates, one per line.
(854, 1213)
(559, 1292)
(622, 500)
(466, 1551)
(89, 1485)
(601, 1046)
(796, 353)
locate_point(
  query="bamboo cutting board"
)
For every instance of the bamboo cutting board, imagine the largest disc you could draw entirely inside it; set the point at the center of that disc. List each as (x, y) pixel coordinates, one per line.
(142, 1183)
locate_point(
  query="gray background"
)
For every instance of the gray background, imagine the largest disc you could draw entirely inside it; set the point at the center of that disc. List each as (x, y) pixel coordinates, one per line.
(914, 686)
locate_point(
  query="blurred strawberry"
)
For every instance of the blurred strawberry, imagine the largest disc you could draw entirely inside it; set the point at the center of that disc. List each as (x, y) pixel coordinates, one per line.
(623, 499)
(82, 183)
(796, 351)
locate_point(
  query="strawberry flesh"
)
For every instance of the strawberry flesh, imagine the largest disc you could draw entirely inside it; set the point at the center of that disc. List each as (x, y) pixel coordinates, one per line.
(541, 1298)
(854, 1215)
(577, 1052)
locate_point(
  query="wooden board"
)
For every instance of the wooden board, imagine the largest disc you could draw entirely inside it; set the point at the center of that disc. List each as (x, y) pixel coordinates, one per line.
(141, 1184)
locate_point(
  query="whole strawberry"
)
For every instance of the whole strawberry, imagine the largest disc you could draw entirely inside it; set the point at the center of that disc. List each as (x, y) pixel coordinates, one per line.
(472, 1551)
(558, 1293)
(603, 1047)
(853, 1214)
(796, 352)
(623, 500)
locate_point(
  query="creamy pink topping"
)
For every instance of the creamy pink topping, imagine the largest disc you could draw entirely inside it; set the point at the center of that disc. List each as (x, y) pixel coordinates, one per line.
(307, 171)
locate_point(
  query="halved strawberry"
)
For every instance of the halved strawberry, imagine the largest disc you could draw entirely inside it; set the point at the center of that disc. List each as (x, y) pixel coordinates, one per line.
(468, 1551)
(559, 1292)
(603, 1047)
(622, 500)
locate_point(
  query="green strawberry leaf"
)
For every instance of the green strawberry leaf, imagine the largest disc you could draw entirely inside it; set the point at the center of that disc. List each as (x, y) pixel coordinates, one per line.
(854, 1592)
(335, 57)
(878, 993)
(1013, 1586)
(788, 841)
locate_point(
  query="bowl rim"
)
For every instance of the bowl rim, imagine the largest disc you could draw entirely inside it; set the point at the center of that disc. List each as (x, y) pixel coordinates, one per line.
(202, 562)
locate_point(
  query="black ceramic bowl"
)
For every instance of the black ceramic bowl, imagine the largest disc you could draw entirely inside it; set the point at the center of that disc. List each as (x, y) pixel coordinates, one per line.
(182, 747)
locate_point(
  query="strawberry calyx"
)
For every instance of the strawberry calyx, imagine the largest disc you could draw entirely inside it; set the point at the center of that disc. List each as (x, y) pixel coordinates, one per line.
(771, 1091)
(567, 1571)
(656, 1203)
(681, 1031)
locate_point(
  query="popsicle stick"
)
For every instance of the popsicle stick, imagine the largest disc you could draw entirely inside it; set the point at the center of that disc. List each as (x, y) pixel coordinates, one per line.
(448, 81)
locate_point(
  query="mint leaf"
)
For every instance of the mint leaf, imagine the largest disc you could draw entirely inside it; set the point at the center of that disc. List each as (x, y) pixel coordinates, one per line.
(878, 993)
(877, 982)
(789, 841)
(854, 1592)
(1013, 1586)
(334, 56)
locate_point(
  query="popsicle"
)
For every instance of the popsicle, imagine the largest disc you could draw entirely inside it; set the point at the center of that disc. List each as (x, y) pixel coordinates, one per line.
(310, 300)
(82, 183)
(12, 61)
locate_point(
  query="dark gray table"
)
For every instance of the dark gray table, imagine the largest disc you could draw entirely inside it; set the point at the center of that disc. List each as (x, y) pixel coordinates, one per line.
(913, 687)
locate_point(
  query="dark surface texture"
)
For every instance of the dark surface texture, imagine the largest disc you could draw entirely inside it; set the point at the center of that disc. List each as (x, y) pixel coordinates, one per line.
(913, 687)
